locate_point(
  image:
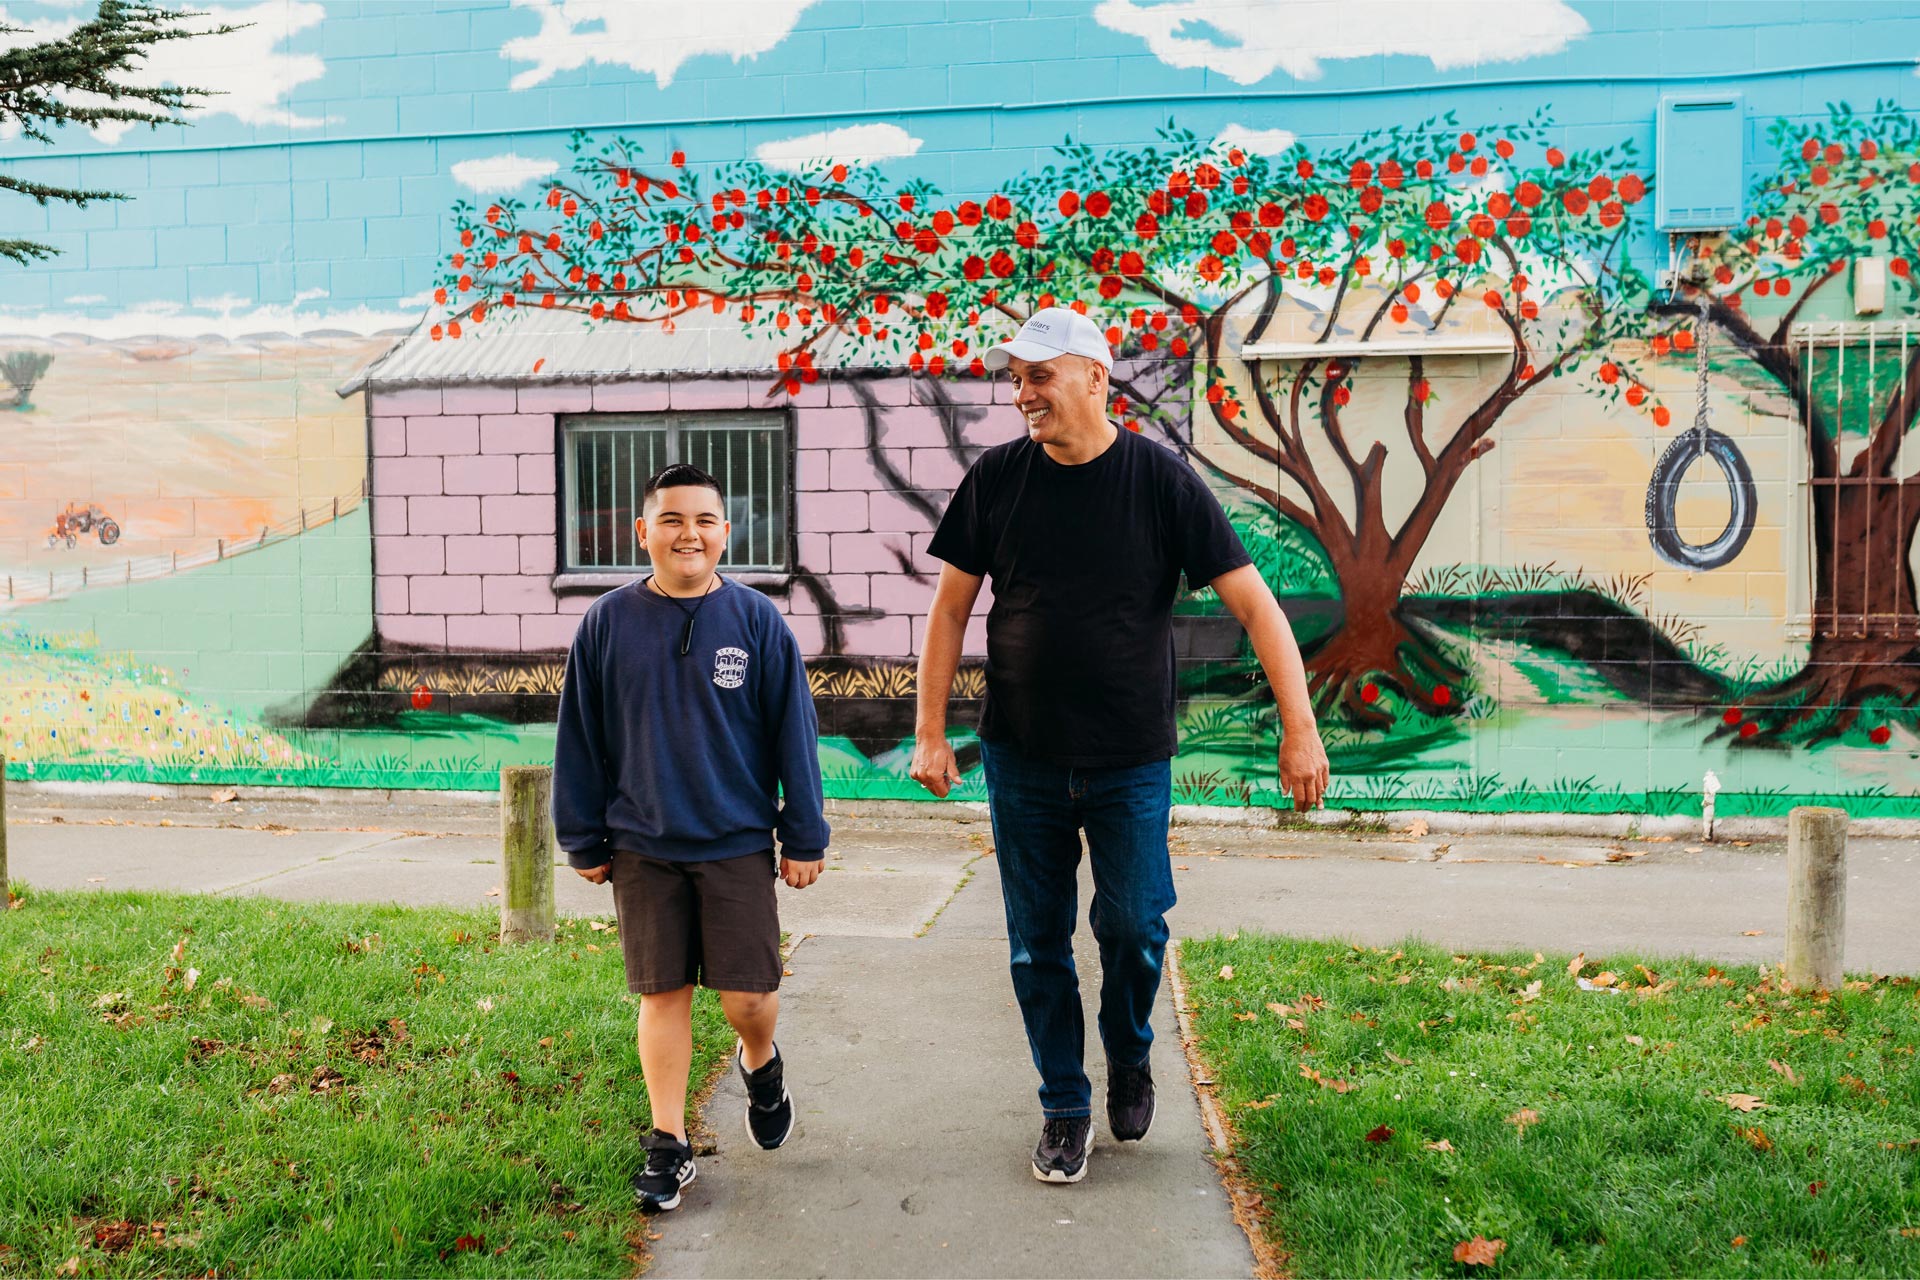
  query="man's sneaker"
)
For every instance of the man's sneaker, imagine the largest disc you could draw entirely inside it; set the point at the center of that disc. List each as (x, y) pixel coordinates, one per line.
(769, 1105)
(669, 1168)
(1129, 1101)
(1062, 1153)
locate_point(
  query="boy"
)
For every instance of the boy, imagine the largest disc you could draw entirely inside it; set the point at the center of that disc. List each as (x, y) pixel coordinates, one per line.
(684, 718)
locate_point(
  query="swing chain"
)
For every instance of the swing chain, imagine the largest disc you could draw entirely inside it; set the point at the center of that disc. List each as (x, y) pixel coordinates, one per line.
(1700, 378)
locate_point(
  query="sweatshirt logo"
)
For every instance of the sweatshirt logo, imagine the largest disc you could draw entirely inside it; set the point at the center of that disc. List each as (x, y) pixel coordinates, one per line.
(730, 668)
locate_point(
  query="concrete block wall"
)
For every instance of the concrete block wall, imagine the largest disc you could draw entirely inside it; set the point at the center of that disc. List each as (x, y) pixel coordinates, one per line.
(465, 507)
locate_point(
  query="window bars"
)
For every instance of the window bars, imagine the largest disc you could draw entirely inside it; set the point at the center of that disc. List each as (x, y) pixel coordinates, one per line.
(609, 458)
(1858, 410)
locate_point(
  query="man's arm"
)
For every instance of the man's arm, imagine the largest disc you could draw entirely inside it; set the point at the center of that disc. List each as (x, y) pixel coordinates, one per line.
(1303, 760)
(933, 764)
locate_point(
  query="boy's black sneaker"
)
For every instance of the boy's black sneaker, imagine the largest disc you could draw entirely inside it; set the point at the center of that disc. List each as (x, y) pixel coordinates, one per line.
(669, 1168)
(769, 1105)
(1129, 1101)
(1062, 1153)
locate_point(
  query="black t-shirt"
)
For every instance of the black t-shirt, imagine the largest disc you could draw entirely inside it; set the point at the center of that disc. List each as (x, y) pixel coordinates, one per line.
(1085, 563)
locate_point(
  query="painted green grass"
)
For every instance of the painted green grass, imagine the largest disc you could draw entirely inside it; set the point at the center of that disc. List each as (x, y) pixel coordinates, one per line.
(341, 1090)
(1339, 1066)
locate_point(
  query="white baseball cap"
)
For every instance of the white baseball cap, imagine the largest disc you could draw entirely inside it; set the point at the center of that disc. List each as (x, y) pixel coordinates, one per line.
(1052, 331)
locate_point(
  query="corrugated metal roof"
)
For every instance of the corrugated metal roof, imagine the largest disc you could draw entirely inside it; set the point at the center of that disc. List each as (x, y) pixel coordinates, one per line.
(527, 345)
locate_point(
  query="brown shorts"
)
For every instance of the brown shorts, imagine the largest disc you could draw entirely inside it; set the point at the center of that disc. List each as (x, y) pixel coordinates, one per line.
(713, 924)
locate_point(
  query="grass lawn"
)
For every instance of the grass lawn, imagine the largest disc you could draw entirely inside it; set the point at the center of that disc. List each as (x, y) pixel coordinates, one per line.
(193, 1085)
(1391, 1105)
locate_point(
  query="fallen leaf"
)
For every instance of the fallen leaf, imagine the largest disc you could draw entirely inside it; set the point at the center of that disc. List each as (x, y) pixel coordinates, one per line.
(1279, 1010)
(224, 797)
(1911, 1233)
(1575, 965)
(1625, 855)
(1636, 1040)
(1441, 1145)
(1739, 1242)
(466, 1244)
(1755, 1137)
(1911, 1144)
(1741, 844)
(193, 976)
(1325, 1082)
(546, 1042)
(1522, 1118)
(1417, 828)
(1246, 1017)
(484, 1004)
(1531, 993)
(71, 1267)
(493, 893)
(1743, 1102)
(1226, 973)
(1784, 1070)
(1479, 1251)
(1182, 867)
(1397, 1060)
(1379, 1134)
(96, 879)
(1694, 848)
(1753, 933)
(256, 1002)
(1814, 1188)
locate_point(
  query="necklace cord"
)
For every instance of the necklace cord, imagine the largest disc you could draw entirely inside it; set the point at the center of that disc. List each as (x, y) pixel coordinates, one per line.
(686, 632)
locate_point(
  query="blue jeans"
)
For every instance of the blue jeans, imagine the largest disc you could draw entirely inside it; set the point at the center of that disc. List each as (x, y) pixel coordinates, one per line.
(1038, 812)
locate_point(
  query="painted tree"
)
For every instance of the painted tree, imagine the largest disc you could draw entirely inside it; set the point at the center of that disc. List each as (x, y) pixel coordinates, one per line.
(1847, 187)
(1177, 247)
(87, 77)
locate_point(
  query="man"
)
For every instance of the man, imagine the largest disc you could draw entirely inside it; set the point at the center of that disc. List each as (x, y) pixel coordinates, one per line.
(1086, 531)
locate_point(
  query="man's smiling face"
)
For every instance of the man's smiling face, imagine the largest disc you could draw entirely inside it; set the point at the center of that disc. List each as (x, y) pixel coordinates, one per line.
(1058, 396)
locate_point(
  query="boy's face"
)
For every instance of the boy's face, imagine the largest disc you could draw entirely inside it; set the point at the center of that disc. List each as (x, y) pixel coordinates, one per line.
(685, 531)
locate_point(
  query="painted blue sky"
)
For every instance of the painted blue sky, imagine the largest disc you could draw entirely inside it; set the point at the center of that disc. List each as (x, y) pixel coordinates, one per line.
(317, 185)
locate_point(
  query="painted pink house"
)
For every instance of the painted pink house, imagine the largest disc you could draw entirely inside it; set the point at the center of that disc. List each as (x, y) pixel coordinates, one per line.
(507, 466)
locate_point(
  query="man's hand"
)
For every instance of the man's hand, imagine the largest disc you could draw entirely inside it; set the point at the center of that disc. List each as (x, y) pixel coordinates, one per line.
(933, 765)
(799, 874)
(1303, 767)
(594, 875)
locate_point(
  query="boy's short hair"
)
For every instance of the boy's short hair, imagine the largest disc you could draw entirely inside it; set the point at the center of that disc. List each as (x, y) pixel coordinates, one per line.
(678, 475)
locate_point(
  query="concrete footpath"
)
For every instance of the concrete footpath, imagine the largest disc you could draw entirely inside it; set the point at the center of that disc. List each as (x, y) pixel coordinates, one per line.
(907, 1061)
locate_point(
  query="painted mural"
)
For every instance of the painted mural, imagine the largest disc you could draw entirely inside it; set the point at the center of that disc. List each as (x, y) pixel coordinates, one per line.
(1567, 515)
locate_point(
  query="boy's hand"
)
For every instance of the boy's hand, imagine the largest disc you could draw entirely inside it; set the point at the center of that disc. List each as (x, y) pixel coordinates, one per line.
(594, 875)
(798, 874)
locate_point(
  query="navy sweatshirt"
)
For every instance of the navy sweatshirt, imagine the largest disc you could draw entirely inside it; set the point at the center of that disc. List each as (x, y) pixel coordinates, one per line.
(678, 756)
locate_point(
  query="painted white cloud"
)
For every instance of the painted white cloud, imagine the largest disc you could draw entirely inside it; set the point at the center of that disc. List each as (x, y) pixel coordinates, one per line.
(504, 172)
(1259, 142)
(1248, 40)
(856, 144)
(231, 318)
(86, 299)
(654, 37)
(248, 71)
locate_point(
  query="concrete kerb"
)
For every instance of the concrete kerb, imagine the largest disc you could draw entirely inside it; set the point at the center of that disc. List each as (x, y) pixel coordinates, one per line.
(1449, 822)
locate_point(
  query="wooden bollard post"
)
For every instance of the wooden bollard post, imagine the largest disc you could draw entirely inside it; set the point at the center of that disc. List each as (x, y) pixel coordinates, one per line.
(1816, 897)
(526, 854)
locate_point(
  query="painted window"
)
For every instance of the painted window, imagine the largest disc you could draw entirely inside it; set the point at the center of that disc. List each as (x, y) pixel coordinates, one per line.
(607, 458)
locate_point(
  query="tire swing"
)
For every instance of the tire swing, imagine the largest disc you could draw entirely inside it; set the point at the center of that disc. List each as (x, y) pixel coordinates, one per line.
(1663, 488)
